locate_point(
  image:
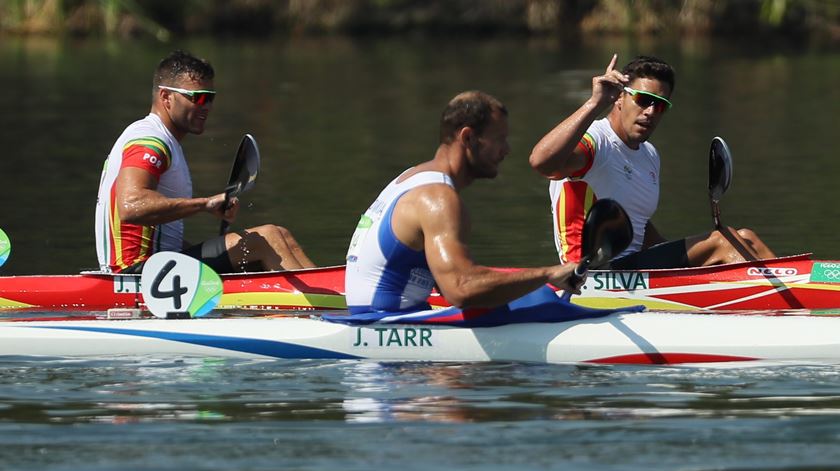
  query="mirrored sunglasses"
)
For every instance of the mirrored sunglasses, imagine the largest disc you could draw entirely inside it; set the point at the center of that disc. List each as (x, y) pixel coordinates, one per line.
(199, 97)
(645, 99)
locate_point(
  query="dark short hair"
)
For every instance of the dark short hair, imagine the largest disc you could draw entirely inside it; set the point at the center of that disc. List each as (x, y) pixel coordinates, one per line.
(472, 109)
(180, 63)
(650, 67)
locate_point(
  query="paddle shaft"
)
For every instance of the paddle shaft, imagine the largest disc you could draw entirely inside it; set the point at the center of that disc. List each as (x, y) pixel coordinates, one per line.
(576, 278)
(607, 232)
(716, 214)
(223, 227)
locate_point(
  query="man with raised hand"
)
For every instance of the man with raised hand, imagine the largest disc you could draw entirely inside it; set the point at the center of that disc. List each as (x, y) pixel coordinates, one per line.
(414, 235)
(587, 159)
(145, 191)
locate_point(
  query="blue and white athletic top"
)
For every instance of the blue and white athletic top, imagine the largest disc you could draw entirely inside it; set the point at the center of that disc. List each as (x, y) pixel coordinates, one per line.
(383, 274)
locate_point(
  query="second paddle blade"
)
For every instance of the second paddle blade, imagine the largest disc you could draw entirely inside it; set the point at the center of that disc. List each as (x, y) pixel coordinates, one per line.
(243, 175)
(246, 165)
(607, 231)
(720, 168)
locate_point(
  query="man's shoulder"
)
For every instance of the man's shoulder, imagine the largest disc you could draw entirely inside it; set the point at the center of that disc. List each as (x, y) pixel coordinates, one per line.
(600, 127)
(650, 150)
(149, 124)
(432, 199)
(430, 207)
(435, 189)
(416, 176)
(147, 133)
(598, 134)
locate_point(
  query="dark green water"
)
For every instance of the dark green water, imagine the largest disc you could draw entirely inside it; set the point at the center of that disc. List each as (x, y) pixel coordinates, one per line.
(163, 414)
(336, 119)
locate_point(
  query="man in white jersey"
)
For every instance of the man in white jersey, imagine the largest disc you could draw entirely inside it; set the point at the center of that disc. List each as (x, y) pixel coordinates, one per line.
(146, 191)
(414, 235)
(587, 159)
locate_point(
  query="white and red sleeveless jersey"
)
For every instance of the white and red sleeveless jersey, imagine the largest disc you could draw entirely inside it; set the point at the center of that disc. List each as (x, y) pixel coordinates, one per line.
(613, 170)
(148, 145)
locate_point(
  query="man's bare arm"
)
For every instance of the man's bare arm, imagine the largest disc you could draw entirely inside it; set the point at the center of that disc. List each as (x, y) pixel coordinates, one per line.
(139, 202)
(444, 224)
(556, 154)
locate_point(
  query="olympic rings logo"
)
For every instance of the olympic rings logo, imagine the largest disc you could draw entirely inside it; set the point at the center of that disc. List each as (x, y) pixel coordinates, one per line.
(832, 274)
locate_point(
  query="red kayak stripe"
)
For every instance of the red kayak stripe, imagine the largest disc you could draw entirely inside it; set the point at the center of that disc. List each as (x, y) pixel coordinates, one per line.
(668, 358)
(51, 319)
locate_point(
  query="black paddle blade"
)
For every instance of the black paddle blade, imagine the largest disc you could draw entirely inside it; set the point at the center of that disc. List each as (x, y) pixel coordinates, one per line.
(720, 168)
(246, 165)
(243, 175)
(607, 231)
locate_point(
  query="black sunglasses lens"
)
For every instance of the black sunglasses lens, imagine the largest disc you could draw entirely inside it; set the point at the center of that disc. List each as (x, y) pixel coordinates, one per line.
(645, 101)
(203, 98)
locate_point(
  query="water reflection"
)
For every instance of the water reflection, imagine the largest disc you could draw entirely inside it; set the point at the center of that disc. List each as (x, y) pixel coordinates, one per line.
(158, 412)
(470, 393)
(377, 394)
(152, 390)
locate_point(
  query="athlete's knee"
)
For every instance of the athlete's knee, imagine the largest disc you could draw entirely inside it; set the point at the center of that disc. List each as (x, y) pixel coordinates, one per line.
(269, 232)
(290, 239)
(718, 239)
(279, 235)
(748, 234)
(253, 240)
(285, 233)
(754, 241)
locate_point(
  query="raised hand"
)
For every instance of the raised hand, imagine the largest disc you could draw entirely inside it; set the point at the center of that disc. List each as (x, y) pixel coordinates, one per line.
(606, 88)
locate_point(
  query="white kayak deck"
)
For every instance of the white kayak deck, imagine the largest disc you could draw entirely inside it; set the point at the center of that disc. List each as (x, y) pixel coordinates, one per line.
(647, 337)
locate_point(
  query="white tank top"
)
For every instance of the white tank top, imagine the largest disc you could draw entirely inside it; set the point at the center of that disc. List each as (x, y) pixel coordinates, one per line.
(383, 274)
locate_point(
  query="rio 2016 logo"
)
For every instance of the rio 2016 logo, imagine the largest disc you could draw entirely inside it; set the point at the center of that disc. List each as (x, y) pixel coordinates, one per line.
(5, 247)
(825, 273)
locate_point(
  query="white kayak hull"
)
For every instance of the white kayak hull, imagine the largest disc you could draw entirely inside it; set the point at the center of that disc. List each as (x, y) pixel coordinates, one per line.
(641, 338)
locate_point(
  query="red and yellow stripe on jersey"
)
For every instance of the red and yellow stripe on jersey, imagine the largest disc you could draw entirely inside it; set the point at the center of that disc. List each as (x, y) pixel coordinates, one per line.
(573, 204)
(576, 198)
(588, 147)
(132, 243)
(149, 153)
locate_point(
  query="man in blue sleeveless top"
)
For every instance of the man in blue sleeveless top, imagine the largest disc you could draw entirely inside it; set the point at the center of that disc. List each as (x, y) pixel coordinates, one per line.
(413, 236)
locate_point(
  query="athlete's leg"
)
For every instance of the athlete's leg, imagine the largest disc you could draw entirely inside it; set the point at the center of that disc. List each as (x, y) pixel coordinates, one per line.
(213, 253)
(732, 246)
(758, 246)
(665, 255)
(271, 245)
(295, 249)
